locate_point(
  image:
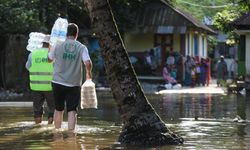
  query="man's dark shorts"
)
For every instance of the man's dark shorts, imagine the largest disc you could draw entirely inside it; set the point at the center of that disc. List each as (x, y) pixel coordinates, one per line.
(38, 103)
(70, 95)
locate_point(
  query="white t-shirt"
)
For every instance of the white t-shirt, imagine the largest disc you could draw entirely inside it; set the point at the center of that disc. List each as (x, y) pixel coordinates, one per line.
(67, 61)
(85, 55)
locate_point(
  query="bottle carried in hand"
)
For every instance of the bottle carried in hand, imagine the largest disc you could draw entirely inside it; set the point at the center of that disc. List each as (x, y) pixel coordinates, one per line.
(88, 95)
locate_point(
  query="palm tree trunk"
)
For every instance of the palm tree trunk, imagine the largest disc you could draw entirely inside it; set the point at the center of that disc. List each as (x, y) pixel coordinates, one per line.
(141, 125)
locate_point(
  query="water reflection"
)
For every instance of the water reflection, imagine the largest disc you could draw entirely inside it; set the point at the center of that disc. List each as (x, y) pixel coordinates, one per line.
(65, 141)
(241, 108)
(204, 121)
(198, 106)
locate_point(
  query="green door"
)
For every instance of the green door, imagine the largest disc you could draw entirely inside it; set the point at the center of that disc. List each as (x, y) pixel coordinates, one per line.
(242, 56)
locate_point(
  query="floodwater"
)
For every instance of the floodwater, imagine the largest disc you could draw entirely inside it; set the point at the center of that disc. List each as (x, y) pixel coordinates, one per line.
(204, 121)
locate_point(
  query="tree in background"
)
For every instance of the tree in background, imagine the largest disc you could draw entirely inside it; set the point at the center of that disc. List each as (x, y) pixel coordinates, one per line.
(223, 19)
(18, 16)
(141, 124)
(23, 17)
(200, 9)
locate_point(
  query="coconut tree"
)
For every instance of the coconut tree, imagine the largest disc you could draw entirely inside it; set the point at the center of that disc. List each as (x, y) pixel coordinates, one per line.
(141, 124)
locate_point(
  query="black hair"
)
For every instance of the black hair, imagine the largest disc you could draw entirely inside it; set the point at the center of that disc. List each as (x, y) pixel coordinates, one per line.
(45, 44)
(72, 29)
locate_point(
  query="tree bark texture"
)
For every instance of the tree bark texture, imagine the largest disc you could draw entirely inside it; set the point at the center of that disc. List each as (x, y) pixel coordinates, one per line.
(13, 71)
(141, 125)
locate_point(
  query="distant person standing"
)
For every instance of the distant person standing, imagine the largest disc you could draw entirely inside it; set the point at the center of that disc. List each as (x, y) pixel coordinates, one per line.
(208, 71)
(40, 72)
(232, 52)
(148, 64)
(153, 59)
(189, 65)
(171, 58)
(203, 72)
(234, 69)
(221, 71)
(67, 59)
(180, 68)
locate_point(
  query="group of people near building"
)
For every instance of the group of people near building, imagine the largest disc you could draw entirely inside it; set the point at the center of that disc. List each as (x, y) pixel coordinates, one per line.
(197, 71)
(150, 60)
(187, 71)
(191, 72)
(170, 69)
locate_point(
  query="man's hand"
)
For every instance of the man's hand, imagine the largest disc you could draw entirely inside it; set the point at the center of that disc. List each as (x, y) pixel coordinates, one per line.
(88, 68)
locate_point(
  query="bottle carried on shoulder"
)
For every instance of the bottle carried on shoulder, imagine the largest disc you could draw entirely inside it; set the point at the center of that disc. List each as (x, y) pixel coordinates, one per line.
(59, 31)
(35, 41)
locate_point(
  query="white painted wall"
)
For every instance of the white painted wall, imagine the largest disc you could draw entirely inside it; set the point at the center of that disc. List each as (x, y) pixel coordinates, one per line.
(176, 42)
(186, 43)
(205, 47)
(200, 45)
(189, 44)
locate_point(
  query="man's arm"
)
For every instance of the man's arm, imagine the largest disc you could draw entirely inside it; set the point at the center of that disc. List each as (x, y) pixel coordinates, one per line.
(29, 62)
(88, 69)
(51, 54)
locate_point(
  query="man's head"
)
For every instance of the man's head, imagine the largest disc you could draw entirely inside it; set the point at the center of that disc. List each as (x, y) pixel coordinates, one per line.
(72, 30)
(222, 58)
(46, 41)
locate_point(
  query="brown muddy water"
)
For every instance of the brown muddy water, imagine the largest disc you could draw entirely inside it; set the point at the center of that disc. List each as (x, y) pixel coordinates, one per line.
(204, 121)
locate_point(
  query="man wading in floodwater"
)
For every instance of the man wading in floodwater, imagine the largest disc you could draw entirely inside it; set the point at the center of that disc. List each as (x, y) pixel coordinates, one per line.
(67, 60)
(40, 72)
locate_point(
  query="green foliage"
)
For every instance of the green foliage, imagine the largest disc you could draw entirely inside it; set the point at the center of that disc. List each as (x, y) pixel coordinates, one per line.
(212, 41)
(18, 16)
(244, 4)
(199, 8)
(23, 16)
(224, 18)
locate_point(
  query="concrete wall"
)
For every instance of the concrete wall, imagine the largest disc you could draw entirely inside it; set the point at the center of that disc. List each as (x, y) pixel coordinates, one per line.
(138, 42)
(176, 42)
(142, 42)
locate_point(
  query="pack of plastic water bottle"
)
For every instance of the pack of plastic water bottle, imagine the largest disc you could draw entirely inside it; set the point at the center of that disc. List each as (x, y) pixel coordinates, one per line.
(35, 41)
(88, 95)
(59, 31)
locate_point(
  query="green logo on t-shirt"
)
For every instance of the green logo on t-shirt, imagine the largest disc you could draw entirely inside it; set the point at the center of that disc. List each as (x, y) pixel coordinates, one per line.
(69, 53)
(69, 56)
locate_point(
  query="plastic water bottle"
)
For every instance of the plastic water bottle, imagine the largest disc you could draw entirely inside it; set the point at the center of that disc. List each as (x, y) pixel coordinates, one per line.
(59, 31)
(35, 41)
(88, 95)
